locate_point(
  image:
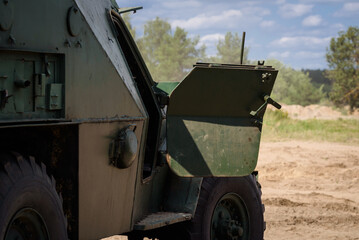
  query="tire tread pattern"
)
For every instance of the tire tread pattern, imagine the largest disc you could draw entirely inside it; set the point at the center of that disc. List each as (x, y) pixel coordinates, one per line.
(208, 184)
(14, 166)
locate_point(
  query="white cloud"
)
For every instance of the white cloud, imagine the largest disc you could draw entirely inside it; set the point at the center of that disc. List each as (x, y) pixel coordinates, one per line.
(348, 9)
(181, 4)
(338, 26)
(205, 21)
(211, 38)
(312, 42)
(312, 21)
(321, 1)
(279, 55)
(309, 55)
(352, 6)
(280, 2)
(267, 24)
(258, 11)
(294, 10)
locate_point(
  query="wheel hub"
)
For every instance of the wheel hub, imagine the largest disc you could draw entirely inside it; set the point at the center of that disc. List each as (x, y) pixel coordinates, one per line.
(230, 219)
(27, 224)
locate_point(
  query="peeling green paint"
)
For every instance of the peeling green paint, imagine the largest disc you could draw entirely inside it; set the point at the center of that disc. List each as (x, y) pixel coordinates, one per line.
(211, 147)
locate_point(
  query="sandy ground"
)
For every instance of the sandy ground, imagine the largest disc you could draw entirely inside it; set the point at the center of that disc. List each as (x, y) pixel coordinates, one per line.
(310, 190)
(318, 112)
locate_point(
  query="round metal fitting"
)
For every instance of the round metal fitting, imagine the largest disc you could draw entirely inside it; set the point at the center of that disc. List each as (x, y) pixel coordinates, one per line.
(74, 21)
(129, 148)
(6, 15)
(123, 149)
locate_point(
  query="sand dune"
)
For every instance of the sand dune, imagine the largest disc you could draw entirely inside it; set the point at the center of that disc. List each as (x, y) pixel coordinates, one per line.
(310, 190)
(318, 112)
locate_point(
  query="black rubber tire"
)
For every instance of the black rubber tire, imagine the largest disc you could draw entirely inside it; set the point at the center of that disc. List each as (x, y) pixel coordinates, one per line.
(26, 185)
(212, 190)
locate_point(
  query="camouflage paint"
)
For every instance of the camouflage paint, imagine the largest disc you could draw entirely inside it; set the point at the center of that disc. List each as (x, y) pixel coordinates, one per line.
(209, 127)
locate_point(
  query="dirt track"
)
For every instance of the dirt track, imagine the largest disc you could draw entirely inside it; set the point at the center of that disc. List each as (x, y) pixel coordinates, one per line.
(310, 190)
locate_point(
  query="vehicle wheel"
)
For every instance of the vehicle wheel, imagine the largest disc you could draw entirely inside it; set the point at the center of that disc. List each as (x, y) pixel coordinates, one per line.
(228, 209)
(30, 208)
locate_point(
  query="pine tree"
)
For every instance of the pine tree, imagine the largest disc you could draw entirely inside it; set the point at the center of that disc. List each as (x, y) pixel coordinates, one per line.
(229, 50)
(294, 86)
(169, 56)
(343, 59)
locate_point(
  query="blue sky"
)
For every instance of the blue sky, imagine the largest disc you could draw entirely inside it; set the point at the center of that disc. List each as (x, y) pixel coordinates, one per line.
(296, 32)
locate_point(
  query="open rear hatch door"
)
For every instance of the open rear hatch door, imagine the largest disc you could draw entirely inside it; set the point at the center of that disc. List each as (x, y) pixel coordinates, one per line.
(213, 126)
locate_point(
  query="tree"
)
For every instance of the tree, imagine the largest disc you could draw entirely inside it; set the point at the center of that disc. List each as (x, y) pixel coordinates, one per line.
(294, 86)
(229, 50)
(169, 56)
(343, 60)
(318, 78)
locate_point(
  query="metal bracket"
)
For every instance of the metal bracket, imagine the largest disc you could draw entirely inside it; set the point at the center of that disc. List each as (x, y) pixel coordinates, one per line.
(55, 96)
(129, 9)
(163, 99)
(267, 100)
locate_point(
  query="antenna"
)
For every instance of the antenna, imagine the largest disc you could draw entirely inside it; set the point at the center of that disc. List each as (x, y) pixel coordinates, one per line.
(242, 50)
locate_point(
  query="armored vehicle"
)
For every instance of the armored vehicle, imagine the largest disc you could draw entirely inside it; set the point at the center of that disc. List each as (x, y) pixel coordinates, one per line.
(91, 146)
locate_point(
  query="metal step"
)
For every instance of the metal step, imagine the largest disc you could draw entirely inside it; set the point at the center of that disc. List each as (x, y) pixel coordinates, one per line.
(161, 219)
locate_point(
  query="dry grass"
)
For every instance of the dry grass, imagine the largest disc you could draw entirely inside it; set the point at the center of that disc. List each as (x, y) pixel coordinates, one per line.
(278, 126)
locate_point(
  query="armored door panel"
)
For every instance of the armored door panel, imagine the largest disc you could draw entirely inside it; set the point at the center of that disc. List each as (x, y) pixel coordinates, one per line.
(211, 128)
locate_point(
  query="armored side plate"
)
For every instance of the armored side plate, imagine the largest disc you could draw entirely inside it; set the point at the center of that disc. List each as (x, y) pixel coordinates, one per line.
(209, 127)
